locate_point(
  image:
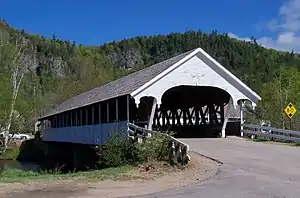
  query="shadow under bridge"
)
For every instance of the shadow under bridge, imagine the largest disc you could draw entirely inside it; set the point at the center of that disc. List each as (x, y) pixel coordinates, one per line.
(192, 111)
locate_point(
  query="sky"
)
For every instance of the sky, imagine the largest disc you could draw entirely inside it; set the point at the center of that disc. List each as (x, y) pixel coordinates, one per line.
(274, 23)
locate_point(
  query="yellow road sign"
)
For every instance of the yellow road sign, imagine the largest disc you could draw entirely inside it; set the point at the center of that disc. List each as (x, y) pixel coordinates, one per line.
(290, 110)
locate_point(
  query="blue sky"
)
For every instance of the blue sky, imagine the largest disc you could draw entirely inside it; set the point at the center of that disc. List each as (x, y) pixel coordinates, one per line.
(275, 23)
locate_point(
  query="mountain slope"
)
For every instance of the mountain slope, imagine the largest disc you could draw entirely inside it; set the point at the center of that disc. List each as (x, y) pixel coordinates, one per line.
(251, 62)
(64, 69)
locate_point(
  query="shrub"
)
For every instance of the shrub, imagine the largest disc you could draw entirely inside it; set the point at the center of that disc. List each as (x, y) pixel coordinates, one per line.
(154, 148)
(117, 151)
(120, 150)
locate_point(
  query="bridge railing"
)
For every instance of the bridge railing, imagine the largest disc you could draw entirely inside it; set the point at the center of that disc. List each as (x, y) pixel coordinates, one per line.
(271, 133)
(178, 150)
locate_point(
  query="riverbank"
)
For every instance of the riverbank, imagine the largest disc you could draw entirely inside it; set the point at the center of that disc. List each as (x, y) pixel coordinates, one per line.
(147, 170)
(143, 179)
(12, 151)
(20, 176)
(109, 161)
(10, 154)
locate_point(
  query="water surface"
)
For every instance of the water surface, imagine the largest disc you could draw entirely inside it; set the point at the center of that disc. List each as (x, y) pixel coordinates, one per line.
(14, 164)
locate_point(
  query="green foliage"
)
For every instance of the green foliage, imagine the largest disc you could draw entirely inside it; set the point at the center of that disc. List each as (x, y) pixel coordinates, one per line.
(64, 69)
(5, 98)
(61, 71)
(121, 150)
(251, 62)
(154, 148)
(10, 154)
(277, 94)
(17, 175)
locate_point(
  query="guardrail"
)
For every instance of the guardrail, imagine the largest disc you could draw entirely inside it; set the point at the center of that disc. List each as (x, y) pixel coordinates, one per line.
(272, 133)
(178, 150)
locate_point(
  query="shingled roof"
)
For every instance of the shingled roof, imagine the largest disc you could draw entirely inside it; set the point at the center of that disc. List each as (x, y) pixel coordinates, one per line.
(120, 87)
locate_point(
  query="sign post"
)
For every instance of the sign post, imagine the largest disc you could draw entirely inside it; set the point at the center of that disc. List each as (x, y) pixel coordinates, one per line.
(290, 110)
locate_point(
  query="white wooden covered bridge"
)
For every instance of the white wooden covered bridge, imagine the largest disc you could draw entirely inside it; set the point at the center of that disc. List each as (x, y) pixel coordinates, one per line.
(189, 93)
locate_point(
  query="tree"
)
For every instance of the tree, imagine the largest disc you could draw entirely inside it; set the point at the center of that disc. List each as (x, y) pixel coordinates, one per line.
(16, 59)
(277, 94)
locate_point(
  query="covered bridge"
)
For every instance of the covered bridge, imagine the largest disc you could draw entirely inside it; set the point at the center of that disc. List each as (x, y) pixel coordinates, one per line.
(190, 93)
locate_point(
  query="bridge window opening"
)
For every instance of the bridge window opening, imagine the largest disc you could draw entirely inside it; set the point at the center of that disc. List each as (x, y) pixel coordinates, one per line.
(69, 119)
(143, 112)
(51, 122)
(104, 112)
(133, 111)
(56, 122)
(96, 113)
(83, 116)
(112, 117)
(122, 108)
(63, 119)
(60, 121)
(90, 114)
(74, 117)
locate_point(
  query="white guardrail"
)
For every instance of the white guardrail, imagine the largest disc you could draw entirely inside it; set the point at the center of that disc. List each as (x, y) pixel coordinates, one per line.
(271, 133)
(178, 150)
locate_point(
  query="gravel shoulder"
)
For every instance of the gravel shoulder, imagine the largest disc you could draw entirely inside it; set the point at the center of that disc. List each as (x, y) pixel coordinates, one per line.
(137, 182)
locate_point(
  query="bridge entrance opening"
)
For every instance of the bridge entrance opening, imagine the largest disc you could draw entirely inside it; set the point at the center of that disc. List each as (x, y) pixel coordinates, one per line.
(191, 111)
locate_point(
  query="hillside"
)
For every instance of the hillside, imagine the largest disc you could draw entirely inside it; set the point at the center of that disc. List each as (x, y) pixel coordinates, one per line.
(249, 61)
(63, 69)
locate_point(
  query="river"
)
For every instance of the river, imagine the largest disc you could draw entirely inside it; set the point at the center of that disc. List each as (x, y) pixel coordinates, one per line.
(14, 164)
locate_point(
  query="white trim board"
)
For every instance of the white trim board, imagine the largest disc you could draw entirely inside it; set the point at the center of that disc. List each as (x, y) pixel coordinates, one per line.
(205, 57)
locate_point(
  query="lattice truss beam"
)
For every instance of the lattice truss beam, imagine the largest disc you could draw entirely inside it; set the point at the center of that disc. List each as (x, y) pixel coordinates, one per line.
(194, 116)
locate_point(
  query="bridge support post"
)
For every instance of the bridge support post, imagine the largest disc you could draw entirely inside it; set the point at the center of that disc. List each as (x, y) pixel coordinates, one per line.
(242, 117)
(150, 122)
(224, 127)
(128, 107)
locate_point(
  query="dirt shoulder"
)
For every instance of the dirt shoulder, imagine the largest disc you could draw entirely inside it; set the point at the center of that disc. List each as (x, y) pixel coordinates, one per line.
(142, 180)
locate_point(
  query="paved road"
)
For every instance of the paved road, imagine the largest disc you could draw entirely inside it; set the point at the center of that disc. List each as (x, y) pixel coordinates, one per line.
(249, 170)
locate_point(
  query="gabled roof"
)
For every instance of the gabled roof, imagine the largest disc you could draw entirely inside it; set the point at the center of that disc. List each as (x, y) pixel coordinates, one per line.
(119, 87)
(138, 81)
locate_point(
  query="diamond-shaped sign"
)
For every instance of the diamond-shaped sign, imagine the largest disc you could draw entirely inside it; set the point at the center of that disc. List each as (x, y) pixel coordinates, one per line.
(290, 110)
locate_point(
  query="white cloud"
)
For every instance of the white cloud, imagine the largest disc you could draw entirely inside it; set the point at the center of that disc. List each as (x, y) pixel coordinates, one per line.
(286, 27)
(232, 35)
(287, 41)
(289, 13)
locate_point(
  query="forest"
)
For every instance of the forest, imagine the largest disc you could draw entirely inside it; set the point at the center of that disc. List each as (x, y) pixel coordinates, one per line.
(37, 73)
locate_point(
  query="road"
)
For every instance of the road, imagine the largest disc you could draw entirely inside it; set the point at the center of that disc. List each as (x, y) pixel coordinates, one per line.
(249, 170)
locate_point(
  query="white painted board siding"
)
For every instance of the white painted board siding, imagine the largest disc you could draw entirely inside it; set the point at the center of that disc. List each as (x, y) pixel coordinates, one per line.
(194, 72)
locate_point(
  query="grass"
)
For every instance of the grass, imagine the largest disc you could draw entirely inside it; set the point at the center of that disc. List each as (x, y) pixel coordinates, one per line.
(297, 144)
(15, 175)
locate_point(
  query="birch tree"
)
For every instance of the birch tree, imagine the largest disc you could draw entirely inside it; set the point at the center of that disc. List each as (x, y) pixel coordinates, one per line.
(16, 58)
